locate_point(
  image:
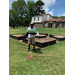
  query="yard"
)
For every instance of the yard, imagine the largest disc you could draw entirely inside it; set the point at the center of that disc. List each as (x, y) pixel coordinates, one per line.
(51, 61)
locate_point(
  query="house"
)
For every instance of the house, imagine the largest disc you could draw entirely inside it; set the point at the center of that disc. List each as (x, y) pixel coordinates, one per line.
(46, 21)
(62, 23)
(54, 23)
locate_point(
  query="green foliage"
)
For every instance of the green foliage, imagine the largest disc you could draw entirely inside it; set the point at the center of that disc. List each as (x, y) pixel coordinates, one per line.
(39, 7)
(56, 17)
(13, 18)
(19, 7)
(30, 9)
(31, 31)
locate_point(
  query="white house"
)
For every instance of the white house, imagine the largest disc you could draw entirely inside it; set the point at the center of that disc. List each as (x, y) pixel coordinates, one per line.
(38, 19)
(46, 20)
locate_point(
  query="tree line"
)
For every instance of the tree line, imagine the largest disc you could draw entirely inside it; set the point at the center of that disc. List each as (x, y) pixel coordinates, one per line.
(22, 12)
(56, 17)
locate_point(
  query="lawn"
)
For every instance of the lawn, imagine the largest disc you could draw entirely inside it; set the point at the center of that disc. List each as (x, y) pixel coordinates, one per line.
(52, 61)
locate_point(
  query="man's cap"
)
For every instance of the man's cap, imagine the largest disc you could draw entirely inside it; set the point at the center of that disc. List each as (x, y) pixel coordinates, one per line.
(31, 23)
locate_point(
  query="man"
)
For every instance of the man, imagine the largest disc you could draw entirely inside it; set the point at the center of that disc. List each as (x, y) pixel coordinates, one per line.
(31, 38)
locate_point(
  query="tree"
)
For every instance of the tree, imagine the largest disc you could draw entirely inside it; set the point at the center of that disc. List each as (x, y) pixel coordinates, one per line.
(19, 7)
(39, 7)
(30, 10)
(56, 17)
(12, 18)
(63, 17)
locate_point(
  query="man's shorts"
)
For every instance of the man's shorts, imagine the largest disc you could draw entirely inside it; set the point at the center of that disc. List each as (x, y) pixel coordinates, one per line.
(31, 40)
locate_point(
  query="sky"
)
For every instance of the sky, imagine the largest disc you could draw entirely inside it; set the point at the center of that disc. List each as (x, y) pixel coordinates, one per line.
(52, 7)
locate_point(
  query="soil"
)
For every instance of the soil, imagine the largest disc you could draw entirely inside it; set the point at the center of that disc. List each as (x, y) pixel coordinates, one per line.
(40, 35)
(58, 36)
(42, 40)
(19, 35)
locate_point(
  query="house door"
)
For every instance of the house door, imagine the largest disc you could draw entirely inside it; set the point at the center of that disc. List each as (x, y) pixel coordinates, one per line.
(57, 25)
(51, 25)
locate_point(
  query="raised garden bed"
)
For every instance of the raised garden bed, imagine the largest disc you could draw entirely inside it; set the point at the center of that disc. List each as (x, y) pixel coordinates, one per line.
(18, 36)
(57, 37)
(44, 34)
(42, 42)
(40, 36)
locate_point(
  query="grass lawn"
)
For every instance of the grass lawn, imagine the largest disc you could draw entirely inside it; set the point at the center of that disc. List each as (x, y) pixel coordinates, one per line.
(19, 64)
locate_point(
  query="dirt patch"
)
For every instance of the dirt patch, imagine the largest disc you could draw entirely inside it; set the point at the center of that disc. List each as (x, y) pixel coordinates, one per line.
(57, 36)
(40, 35)
(19, 35)
(42, 40)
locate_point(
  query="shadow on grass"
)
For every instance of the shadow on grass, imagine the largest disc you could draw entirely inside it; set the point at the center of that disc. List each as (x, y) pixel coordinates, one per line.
(36, 50)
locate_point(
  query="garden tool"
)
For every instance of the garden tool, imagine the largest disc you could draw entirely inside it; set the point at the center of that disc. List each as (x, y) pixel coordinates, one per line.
(31, 56)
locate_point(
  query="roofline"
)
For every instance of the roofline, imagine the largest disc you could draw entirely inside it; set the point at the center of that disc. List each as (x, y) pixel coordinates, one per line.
(53, 21)
(42, 15)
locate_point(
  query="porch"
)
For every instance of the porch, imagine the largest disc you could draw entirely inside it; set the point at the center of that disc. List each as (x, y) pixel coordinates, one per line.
(51, 25)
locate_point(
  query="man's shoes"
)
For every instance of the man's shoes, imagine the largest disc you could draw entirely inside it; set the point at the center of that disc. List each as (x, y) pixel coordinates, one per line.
(28, 50)
(34, 50)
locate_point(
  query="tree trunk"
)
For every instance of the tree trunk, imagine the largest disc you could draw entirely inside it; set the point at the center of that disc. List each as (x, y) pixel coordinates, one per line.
(13, 27)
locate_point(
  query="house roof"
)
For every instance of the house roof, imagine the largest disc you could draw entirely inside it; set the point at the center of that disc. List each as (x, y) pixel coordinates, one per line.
(52, 20)
(41, 15)
(38, 15)
(62, 20)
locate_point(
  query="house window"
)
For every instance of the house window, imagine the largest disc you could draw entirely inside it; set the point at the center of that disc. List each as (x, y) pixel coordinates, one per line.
(38, 18)
(34, 18)
(46, 25)
(63, 25)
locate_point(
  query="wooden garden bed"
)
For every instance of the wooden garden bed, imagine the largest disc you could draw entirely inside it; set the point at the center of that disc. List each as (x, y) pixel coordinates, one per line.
(57, 37)
(18, 36)
(40, 36)
(42, 42)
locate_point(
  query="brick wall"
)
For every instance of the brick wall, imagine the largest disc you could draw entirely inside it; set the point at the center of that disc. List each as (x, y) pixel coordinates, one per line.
(62, 25)
(38, 25)
(44, 25)
(54, 25)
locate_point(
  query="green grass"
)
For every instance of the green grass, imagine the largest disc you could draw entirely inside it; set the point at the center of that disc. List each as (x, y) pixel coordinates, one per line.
(19, 64)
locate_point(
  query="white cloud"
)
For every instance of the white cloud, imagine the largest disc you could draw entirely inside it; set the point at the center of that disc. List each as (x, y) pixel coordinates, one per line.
(51, 12)
(61, 15)
(48, 4)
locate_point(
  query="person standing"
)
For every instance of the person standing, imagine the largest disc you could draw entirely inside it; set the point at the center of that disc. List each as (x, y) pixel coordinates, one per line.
(31, 37)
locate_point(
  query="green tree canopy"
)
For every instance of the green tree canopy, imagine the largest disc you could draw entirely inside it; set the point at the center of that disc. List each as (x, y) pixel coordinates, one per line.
(12, 18)
(39, 7)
